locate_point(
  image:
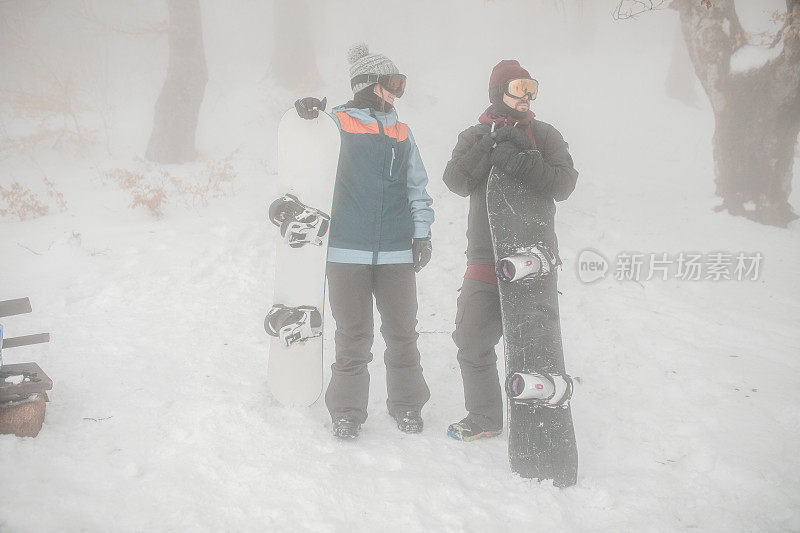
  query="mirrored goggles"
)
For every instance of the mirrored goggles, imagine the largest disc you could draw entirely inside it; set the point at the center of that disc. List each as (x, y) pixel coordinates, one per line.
(521, 87)
(394, 83)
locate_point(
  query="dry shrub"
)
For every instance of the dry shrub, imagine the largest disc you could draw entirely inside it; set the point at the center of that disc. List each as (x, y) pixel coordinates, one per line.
(154, 187)
(21, 202)
(54, 115)
(55, 195)
(143, 194)
(217, 174)
(56, 101)
(50, 137)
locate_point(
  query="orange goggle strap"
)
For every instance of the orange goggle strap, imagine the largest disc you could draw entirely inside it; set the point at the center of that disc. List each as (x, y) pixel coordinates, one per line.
(394, 83)
(518, 88)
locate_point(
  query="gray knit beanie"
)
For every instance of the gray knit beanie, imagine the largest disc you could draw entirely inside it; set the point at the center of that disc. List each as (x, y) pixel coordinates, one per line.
(362, 62)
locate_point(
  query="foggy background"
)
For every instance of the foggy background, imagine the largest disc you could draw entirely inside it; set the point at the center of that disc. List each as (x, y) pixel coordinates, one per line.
(154, 277)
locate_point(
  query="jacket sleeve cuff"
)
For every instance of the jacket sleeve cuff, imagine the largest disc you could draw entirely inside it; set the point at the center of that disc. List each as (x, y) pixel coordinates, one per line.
(422, 230)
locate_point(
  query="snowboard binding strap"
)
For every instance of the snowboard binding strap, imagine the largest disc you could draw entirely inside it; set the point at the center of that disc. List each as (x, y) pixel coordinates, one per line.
(540, 390)
(299, 224)
(527, 263)
(309, 227)
(293, 324)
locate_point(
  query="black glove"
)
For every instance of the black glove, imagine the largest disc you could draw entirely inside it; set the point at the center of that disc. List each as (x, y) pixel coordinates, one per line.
(523, 166)
(309, 108)
(504, 134)
(485, 143)
(502, 154)
(513, 134)
(421, 249)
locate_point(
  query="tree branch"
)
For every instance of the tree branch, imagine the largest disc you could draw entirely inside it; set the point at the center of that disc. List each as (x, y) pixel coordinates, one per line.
(628, 9)
(788, 62)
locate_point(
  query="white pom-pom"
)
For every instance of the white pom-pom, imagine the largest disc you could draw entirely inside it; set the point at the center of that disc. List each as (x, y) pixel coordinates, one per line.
(356, 52)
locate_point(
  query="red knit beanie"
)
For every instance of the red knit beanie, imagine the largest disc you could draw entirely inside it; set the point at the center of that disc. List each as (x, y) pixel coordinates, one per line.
(507, 69)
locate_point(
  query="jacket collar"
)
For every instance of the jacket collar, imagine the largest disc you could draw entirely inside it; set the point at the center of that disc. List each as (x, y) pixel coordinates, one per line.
(365, 116)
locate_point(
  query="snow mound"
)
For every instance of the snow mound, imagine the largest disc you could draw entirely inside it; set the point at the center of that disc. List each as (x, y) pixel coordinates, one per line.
(750, 57)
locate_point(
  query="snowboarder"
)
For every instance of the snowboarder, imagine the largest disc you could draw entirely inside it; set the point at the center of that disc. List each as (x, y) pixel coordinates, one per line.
(380, 236)
(508, 137)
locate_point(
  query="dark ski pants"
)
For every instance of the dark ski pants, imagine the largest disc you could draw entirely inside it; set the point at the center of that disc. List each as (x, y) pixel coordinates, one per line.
(351, 288)
(478, 329)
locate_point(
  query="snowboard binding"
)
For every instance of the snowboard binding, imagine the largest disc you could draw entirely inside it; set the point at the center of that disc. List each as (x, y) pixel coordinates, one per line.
(527, 263)
(299, 224)
(540, 390)
(293, 324)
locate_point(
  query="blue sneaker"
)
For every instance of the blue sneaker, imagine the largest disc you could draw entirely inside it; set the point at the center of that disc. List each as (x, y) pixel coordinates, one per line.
(467, 431)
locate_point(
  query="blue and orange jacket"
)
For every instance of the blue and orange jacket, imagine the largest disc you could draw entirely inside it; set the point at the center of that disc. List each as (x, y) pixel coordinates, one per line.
(379, 201)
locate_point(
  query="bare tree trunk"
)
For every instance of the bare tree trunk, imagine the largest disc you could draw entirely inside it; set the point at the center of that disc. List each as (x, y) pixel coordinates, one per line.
(757, 113)
(178, 106)
(294, 64)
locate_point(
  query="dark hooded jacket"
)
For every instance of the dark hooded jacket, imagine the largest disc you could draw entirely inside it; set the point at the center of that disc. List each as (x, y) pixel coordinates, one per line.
(467, 174)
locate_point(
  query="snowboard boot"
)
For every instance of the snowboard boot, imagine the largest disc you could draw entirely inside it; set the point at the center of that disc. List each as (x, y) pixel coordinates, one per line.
(346, 427)
(408, 421)
(467, 430)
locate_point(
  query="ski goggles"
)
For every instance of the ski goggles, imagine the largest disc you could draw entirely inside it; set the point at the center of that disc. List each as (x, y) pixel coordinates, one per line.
(394, 83)
(522, 87)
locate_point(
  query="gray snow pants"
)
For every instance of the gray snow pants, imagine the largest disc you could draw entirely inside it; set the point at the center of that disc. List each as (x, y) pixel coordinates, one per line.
(351, 288)
(478, 329)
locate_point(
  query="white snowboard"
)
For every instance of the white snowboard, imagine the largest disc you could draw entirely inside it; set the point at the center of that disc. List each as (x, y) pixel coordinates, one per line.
(308, 155)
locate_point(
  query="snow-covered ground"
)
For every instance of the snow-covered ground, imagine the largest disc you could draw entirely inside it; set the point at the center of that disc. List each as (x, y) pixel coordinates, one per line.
(686, 412)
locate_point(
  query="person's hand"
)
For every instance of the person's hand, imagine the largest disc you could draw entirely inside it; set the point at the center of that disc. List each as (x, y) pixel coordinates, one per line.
(421, 249)
(513, 134)
(485, 143)
(502, 154)
(522, 166)
(309, 108)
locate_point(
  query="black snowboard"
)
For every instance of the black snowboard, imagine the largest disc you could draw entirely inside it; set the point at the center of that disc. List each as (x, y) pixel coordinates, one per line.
(541, 440)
